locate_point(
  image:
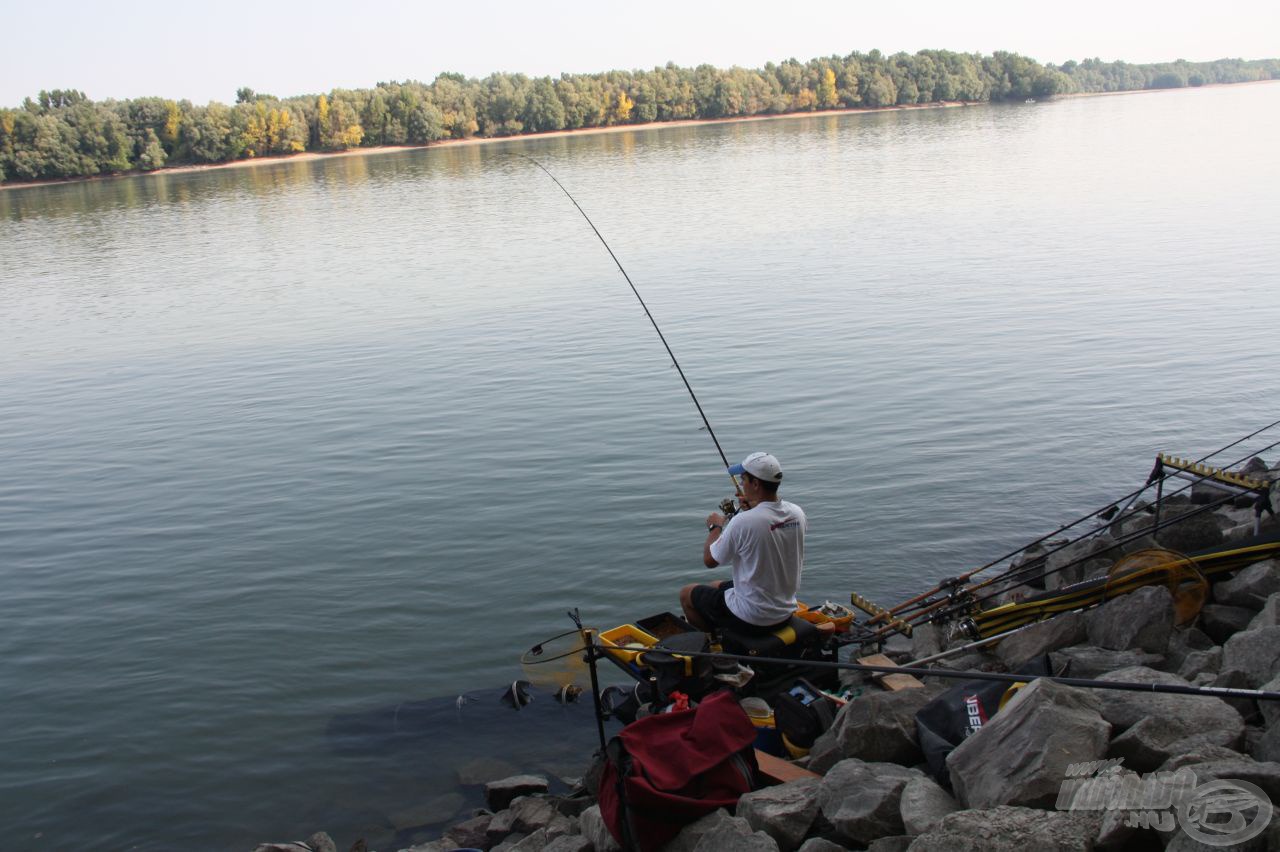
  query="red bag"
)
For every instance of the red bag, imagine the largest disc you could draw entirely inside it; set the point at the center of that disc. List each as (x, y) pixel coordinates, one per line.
(663, 772)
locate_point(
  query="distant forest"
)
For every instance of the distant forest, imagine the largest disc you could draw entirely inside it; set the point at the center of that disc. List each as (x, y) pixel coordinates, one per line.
(62, 134)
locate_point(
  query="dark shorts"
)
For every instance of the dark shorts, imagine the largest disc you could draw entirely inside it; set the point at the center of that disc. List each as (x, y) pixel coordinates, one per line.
(709, 602)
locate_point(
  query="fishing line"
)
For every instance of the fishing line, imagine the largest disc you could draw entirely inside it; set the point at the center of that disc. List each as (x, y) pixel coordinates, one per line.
(647, 313)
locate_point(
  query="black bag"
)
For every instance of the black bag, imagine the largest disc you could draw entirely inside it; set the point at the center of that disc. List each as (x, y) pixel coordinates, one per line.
(947, 720)
(803, 713)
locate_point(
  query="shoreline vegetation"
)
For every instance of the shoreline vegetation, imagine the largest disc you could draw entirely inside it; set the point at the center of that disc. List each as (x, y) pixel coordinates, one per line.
(63, 136)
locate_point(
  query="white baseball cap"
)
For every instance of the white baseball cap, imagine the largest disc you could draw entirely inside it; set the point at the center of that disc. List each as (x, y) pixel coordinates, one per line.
(761, 466)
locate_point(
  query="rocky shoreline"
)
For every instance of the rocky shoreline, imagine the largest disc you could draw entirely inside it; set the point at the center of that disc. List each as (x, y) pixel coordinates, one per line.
(1029, 778)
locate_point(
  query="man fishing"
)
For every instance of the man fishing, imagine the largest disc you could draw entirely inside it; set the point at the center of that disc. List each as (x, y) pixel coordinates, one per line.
(763, 545)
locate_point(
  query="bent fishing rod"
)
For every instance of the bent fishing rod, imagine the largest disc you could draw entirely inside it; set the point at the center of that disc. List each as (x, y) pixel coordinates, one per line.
(737, 489)
(923, 600)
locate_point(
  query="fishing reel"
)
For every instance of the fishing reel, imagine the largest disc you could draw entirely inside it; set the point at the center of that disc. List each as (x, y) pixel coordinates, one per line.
(729, 507)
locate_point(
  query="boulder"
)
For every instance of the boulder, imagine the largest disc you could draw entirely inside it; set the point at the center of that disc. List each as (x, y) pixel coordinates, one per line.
(1265, 775)
(861, 800)
(1196, 662)
(510, 843)
(891, 844)
(923, 805)
(471, 834)
(877, 727)
(691, 835)
(1066, 566)
(1255, 653)
(1172, 717)
(1269, 615)
(568, 843)
(732, 833)
(1141, 620)
(784, 812)
(1058, 632)
(1250, 587)
(1270, 709)
(819, 844)
(927, 640)
(1236, 679)
(499, 794)
(1005, 829)
(1088, 661)
(1183, 641)
(1267, 747)
(1151, 742)
(525, 816)
(1199, 532)
(1021, 756)
(1222, 622)
(594, 829)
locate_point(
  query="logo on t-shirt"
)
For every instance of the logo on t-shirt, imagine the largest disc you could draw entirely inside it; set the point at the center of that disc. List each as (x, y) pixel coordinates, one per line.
(784, 525)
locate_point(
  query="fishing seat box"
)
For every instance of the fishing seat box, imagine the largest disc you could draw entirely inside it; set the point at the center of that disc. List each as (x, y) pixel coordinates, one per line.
(786, 641)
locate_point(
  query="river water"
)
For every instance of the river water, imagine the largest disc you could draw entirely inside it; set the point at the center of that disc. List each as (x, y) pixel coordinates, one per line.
(317, 438)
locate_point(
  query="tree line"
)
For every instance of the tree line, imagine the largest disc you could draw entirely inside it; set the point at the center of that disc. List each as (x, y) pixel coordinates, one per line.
(62, 133)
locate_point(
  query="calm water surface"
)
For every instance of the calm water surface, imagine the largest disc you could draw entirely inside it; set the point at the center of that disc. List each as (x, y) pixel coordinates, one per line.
(288, 442)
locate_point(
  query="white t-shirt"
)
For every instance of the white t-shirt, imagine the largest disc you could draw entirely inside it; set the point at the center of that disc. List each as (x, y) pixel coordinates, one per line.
(765, 547)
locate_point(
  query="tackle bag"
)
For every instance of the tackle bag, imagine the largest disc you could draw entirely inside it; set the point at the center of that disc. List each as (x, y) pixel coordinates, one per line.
(803, 713)
(949, 719)
(665, 771)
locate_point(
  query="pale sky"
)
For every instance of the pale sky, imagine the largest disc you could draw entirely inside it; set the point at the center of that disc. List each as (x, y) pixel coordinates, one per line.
(203, 52)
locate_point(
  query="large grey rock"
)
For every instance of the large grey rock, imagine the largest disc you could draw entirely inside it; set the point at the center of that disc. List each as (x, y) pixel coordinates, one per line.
(1270, 709)
(1148, 744)
(1265, 775)
(1058, 632)
(594, 829)
(891, 844)
(734, 833)
(1043, 729)
(1066, 566)
(499, 794)
(923, 805)
(878, 727)
(1004, 829)
(569, 843)
(1251, 586)
(1088, 661)
(1142, 620)
(1174, 717)
(1268, 616)
(525, 816)
(691, 835)
(821, 844)
(784, 812)
(509, 843)
(1236, 679)
(861, 800)
(1222, 622)
(1197, 662)
(1183, 641)
(927, 640)
(1256, 653)
(1190, 534)
(471, 834)
(1267, 747)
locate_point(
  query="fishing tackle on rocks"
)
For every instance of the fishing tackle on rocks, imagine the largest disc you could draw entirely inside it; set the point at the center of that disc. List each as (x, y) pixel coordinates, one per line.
(727, 505)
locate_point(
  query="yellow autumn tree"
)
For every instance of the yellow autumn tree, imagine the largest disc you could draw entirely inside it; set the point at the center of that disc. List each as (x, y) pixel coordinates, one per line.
(827, 89)
(172, 121)
(622, 109)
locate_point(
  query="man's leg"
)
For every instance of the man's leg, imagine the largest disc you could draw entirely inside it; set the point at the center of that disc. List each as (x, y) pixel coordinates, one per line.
(691, 613)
